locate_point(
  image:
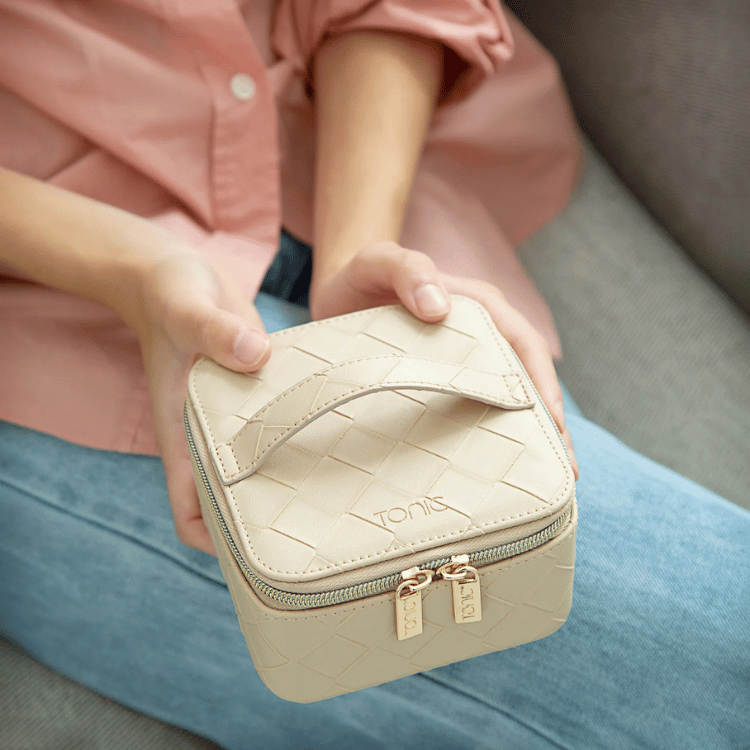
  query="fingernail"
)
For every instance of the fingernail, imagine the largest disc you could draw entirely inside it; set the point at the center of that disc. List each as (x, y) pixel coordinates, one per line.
(431, 300)
(250, 347)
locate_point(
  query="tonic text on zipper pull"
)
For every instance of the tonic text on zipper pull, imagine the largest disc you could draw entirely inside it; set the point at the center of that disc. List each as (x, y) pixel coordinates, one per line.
(467, 595)
(409, 602)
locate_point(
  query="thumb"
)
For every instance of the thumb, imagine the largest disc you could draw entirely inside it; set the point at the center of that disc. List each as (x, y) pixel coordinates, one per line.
(384, 267)
(236, 340)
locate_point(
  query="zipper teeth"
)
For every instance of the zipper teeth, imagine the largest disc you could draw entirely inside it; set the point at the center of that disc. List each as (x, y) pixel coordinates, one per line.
(369, 588)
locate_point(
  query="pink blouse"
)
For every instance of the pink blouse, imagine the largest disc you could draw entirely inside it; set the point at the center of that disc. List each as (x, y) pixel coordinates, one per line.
(196, 115)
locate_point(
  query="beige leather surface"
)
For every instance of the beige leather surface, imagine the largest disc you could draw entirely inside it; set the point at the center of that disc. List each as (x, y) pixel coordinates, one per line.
(312, 655)
(391, 472)
(334, 386)
(369, 443)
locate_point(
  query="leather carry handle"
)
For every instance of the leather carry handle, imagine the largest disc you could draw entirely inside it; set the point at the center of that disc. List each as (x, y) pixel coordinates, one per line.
(333, 386)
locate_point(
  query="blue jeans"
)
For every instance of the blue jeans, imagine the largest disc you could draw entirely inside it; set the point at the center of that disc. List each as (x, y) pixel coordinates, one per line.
(655, 654)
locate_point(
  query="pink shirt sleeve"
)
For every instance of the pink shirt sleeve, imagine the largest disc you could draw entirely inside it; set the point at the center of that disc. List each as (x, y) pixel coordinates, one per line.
(501, 154)
(476, 31)
(181, 113)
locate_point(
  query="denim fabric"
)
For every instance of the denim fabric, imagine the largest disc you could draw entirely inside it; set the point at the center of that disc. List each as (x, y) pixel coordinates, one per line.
(655, 654)
(288, 277)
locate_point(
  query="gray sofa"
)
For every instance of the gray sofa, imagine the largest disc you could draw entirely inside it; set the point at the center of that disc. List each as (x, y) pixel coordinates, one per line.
(649, 266)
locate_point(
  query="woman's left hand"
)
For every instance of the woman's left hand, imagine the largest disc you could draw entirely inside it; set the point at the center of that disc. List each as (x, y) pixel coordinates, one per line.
(384, 273)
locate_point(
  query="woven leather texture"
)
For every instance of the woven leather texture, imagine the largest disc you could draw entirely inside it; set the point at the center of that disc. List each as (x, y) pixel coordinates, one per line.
(386, 474)
(311, 655)
(338, 384)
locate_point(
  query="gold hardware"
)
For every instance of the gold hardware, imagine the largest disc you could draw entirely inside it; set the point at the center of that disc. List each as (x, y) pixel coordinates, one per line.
(467, 594)
(409, 602)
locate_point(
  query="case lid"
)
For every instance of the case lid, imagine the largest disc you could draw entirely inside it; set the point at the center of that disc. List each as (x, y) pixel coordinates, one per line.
(374, 435)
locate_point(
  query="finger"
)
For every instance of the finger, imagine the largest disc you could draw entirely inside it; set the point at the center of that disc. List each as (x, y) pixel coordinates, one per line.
(167, 386)
(535, 356)
(183, 497)
(558, 414)
(533, 352)
(205, 310)
(188, 521)
(195, 534)
(236, 340)
(569, 445)
(411, 275)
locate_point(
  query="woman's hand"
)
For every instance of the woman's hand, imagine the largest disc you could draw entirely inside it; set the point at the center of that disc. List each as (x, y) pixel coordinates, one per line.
(184, 308)
(384, 273)
(177, 302)
(375, 96)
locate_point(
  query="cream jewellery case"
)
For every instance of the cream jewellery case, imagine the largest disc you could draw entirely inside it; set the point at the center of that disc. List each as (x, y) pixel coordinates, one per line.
(386, 496)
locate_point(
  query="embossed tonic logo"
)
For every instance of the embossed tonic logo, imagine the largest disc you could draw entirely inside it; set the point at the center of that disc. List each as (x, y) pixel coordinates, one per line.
(468, 609)
(424, 507)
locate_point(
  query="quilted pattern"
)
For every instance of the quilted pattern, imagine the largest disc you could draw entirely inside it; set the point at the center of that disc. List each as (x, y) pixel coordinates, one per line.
(309, 656)
(385, 474)
(334, 386)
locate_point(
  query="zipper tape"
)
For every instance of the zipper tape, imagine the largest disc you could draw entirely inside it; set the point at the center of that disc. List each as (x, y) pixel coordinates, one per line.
(294, 601)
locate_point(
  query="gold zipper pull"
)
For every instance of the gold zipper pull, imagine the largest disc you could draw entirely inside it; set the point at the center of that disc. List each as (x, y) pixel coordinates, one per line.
(467, 594)
(409, 602)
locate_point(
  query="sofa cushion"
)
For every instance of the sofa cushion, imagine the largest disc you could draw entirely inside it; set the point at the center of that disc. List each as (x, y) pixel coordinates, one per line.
(42, 710)
(663, 87)
(653, 351)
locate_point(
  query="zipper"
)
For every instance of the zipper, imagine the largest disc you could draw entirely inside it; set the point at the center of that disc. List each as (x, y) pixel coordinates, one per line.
(409, 602)
(408, 579)
(467, 595)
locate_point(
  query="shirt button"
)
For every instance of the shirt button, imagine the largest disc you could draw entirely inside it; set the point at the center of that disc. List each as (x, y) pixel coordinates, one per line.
(242, 86)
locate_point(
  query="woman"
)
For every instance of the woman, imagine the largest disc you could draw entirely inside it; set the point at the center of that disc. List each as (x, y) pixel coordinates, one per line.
(143, 194)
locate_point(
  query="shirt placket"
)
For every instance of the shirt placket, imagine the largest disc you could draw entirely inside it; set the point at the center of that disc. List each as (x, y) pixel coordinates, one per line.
(243, 148)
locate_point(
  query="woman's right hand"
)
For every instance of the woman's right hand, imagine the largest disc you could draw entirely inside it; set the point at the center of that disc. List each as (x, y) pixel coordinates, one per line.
(180, 305)
(184, 308)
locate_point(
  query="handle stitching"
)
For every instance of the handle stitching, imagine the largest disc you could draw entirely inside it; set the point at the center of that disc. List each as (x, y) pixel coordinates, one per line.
(501, 343)
(342, 396)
